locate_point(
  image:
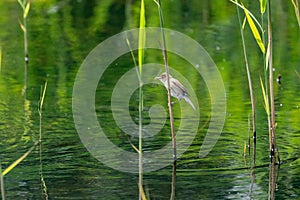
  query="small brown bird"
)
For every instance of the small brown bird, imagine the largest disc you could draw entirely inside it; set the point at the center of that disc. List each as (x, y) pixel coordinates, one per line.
(177, 89)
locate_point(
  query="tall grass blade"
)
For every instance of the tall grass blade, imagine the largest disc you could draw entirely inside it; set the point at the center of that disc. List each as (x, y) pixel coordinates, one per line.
(134, 147)
(165, 55)
(244, 23)
(250, 85)
(18, 161)
(41, 103)
(266, 101)
(254, 31)
(25, 5)
(142, 36)
(274, 151)
(141, 190)
(249, 140)
(263, 5)
(296, 7)
(173, 185)
(26, 10)
(268, 56)
(44, 186)
(2, 184)
(141, 46)
(252, 16)
(22, 26)
(143, 195)
(133, 58)
(21, 4)
(40, 110)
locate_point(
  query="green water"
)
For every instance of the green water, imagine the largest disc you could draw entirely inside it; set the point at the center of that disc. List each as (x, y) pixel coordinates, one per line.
(61, 35)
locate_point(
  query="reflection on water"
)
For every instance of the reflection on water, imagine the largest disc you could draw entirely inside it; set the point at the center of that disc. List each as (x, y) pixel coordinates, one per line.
(61, 34)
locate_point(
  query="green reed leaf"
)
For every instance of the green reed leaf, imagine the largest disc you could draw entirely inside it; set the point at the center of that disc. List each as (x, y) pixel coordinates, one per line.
(296, 8)
(26, 9)
(252, 16)
(266, 101)
(14, 164)
(267, 56)
(21, 4)
(263, 5)
(142, 37)
(254, 31)
(22, 26)
(41, 103)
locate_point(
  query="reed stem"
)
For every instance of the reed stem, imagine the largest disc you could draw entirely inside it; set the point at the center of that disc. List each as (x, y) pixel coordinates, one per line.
(274, 150)
(165, 56)
(25, 5)
(41, 103)
(2, 184)
(26, 57)
(250, 86)
(140, 141)
(141, 44)
(173, 186)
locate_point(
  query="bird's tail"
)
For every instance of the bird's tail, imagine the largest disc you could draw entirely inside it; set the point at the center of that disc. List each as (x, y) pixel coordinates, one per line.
(187, 99)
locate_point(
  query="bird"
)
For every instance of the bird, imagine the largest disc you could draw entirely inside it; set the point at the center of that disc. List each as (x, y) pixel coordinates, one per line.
(177, 89)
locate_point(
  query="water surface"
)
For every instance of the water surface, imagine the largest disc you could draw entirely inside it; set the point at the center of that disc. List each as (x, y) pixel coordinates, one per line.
(62, 33)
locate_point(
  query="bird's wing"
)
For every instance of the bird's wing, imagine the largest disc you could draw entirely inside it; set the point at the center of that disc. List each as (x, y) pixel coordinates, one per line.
(178, 84)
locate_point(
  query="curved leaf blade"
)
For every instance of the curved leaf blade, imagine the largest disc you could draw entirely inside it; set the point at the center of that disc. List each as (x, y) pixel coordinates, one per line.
(254, 31)
(14, 164)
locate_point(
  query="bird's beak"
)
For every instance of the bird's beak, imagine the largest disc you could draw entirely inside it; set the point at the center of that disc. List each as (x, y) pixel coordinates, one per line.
(157, 78)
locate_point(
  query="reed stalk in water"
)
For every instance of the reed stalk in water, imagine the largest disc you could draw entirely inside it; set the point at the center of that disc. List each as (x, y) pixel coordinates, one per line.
(25, 5)
(267, 88)
(40, 110)
(250, 87)
(165, 56)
